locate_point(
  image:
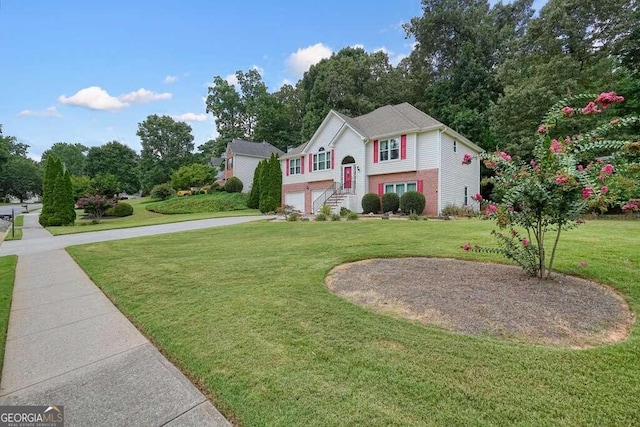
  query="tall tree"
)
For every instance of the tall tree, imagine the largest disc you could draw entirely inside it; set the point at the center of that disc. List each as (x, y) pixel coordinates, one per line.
(166, 145)
(225, 103)
(21, 178)
(57, 199)
(73, 156)
(270, 185)
(118, 160)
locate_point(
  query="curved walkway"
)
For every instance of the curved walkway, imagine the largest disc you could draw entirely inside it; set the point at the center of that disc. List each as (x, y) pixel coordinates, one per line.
(68, 345)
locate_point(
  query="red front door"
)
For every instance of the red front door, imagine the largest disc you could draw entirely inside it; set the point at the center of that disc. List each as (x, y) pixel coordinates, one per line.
(347, 175)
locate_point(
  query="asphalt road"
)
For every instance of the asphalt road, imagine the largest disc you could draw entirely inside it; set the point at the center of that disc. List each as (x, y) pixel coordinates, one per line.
(6, 209)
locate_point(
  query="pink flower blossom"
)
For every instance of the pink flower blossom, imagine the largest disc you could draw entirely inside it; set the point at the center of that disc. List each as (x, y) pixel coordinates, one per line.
(631, 205)
(466, 160)
(491, 209)
(587, 192)
(568, 111)
(591, 108)
(607, 169)
(604, 189)
(478, 197)
(556, 146)
(490, 164)
(542, 129)
(505, 156)
(607, 98)
(466, 247)
(580, 168)
(561, 179)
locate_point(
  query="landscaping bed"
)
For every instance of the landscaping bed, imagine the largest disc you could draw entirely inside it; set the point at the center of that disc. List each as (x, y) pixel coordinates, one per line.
(219, 202)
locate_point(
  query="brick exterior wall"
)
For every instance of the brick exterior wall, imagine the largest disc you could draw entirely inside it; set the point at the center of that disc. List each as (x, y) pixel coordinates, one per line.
(228, 172)
(429, 178)
(307, 187)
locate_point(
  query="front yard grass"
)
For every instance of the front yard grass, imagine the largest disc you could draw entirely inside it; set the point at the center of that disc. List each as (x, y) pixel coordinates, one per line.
(141, 217)
(244, 312)
(7, 276)
(17, 233)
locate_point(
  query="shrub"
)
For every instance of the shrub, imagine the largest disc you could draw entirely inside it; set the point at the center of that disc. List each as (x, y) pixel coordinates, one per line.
(120, 210)
(162, 191)
(326, 210)
(95, 206)
(454, 210)
(294, 216)
(321, 217)
(412, 202)
(336, 217)
(214, 188)
(390, 202)
(414, 217)
(233, 185)
(352, 216)
(344, 211)
(370, 203)
(254, 194)
(270, 185)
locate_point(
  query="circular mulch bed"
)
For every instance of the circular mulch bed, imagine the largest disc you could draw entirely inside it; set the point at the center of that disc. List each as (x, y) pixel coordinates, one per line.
(487, 299)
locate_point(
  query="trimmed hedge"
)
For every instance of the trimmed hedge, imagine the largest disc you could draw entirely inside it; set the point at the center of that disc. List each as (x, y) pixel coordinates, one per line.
(412, 202)
(120, 210)
(233, 185)
(390, 202)
(162, 191)
(370, 203)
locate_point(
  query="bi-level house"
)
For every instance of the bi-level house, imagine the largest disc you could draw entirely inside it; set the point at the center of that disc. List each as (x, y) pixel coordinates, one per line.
(396, 148)
(242, 157)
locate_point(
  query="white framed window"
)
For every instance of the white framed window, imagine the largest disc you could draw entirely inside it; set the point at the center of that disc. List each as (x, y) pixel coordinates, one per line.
(294, 167)
(322, 161)
(400, 187)
(455, 146)
(466, 196)
(389, 149)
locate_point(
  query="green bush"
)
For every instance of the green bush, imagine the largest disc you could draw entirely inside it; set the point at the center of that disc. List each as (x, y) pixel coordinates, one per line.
(233, 185)
(412, 202)
(214, 188)
(390, 202)
(321, 217)
(352, 216)
(414, 217)
(326, 209)
(336, 217)
(294, 216)
(162, 191)
(454, 210)
(344, 211)
(370, 203)
(120, 210)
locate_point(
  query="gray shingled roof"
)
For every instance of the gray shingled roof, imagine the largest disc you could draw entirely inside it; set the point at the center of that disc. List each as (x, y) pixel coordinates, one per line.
(392, 119)
(253, 149)
(215, 162)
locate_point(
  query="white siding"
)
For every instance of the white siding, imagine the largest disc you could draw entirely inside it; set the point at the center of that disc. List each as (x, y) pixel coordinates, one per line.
(350, 143)
(428, 150)
(393, 166)
(243, 169)
(454, 176)
(294, 179)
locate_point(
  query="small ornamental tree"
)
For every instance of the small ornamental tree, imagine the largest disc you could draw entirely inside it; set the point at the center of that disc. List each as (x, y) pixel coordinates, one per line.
(553, 190)
(96, 206)
(254, 194)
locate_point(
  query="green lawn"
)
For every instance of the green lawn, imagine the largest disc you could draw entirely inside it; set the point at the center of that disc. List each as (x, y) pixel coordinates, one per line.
(7, 275)
(141, 216)
(17, 233)
(244, 312)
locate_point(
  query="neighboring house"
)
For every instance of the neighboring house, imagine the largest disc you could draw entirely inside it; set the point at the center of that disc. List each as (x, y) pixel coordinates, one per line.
(392, 149)
(216, 162)
(242, 158)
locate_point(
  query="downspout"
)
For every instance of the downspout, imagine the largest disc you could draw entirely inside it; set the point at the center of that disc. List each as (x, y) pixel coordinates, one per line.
(439, 164)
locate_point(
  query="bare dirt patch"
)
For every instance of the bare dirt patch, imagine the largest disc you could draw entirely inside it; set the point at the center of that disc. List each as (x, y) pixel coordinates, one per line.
(487, 299)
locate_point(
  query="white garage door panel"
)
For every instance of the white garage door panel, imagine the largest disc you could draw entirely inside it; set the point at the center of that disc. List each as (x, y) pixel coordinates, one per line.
(296, 200)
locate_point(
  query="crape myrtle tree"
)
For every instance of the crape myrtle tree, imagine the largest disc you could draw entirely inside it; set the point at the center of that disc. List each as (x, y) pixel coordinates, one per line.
(566, 177)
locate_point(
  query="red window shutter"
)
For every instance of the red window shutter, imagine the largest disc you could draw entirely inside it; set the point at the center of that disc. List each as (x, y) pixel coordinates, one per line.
(380, 188)
(302, 165)
(375, 151)
(332, 163)
(310, 163)
(287, 168)
(420, 186)
(403, 147)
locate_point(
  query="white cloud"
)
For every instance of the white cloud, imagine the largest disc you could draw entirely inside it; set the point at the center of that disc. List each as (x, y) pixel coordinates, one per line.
(300, 61)
(260, 70)
(94, 98)
(358, 46)
(47, 112)
(191, 117)
(170, 79)
(142, 96)
(231, 79)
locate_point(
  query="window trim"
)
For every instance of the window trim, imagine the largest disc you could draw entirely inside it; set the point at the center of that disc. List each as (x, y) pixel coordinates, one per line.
(326, 162)
(389, 150)
(397, 183)
(293, 168)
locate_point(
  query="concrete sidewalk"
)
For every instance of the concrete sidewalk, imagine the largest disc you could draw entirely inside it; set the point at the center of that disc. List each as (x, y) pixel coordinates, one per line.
(67, 344)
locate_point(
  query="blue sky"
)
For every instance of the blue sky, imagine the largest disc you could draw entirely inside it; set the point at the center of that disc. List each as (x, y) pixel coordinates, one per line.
(89, 72)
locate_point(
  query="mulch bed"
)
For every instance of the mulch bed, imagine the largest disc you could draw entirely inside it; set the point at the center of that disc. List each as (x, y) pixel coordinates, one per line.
(484, 299)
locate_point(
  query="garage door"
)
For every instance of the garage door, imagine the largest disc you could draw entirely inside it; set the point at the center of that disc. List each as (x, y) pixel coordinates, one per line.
(295, 199)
